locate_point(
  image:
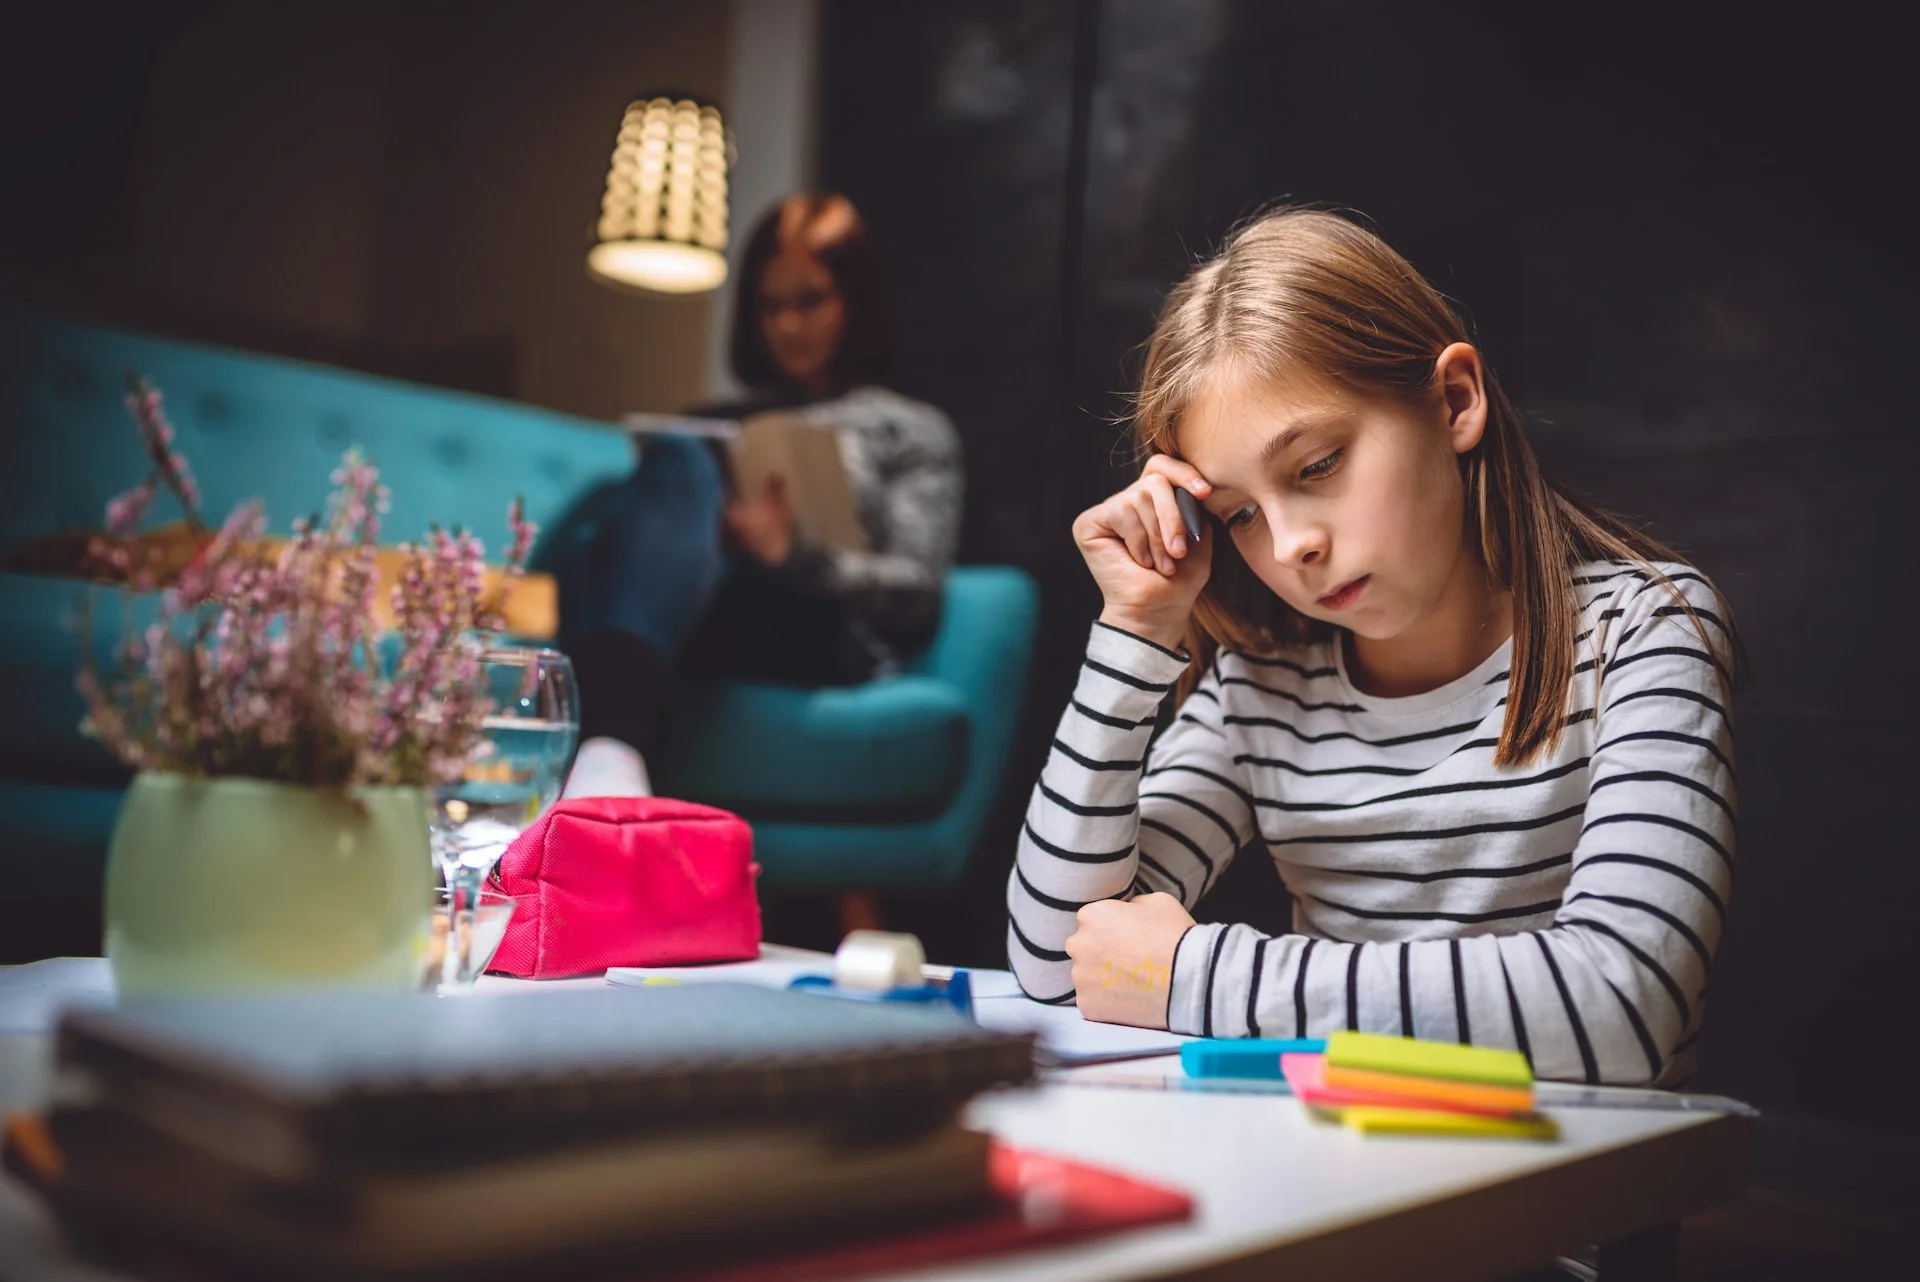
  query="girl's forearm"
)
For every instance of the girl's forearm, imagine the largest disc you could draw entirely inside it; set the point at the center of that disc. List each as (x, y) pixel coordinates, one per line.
(1094, 830)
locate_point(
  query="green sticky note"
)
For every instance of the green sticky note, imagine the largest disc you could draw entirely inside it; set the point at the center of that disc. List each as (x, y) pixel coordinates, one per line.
(1372, 1120)
(1410, 1055)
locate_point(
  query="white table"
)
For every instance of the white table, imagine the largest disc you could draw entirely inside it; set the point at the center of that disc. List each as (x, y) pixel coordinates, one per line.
(1277, 1194)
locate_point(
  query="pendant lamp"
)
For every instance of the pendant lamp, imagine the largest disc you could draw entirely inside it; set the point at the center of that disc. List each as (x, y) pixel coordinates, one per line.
(663, 220)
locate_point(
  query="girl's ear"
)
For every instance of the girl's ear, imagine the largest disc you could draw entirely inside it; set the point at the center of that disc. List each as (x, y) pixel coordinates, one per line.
(1463, 391)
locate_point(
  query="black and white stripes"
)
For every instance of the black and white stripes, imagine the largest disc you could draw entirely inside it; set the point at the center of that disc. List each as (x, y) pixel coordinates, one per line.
(1569, 906)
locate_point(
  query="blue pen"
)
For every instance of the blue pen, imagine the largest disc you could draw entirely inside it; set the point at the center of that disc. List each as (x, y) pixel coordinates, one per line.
(956, 992)
(960, 992)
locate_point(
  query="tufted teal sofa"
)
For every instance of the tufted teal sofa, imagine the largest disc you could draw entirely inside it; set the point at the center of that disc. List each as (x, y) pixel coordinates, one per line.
(880, 786)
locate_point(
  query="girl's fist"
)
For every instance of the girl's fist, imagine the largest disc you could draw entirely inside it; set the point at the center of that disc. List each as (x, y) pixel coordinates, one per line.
(1136, 545)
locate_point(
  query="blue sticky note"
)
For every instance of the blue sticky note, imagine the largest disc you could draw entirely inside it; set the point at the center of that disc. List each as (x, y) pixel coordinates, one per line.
(1244, 1056)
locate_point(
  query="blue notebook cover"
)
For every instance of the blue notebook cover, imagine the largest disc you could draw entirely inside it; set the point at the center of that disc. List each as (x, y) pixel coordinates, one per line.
(393, 1080)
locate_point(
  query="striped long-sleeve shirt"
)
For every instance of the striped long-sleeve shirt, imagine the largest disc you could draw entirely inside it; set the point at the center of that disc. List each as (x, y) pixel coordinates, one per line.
(1568, 906)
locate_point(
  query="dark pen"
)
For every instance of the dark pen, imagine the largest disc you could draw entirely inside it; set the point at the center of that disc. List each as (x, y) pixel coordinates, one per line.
(1191, 515)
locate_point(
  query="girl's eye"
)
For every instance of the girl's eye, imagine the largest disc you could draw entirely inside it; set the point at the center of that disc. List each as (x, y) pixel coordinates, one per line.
(1321, 467)
(1241, 518)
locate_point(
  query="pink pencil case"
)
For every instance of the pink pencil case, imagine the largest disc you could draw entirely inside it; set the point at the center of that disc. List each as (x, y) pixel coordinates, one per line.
(628, 881)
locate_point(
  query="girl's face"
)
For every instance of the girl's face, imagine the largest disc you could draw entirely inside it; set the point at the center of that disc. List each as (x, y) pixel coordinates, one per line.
(1349, 508)
(802, 315)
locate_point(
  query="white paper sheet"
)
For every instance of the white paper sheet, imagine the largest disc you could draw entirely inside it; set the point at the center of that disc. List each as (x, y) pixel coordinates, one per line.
(985, 983)
(32, 996)
(1065, 1037)
(776, 968)
(1068, 1038)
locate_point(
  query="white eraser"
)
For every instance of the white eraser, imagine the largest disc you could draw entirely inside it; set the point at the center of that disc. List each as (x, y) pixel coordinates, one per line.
(879, 959)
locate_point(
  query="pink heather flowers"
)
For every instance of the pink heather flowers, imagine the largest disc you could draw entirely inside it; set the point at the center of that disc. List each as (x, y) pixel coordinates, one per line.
(169, 467)
(273, 666)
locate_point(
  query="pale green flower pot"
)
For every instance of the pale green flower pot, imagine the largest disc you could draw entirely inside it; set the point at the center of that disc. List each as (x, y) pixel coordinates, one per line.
(217, 885)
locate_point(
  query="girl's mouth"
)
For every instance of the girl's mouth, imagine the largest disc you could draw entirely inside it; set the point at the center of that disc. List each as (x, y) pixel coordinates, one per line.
(1342, 597)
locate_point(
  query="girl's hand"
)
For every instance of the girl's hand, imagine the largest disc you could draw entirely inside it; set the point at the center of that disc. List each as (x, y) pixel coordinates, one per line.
(1137, 548)
(764, 524)
(1123, 958)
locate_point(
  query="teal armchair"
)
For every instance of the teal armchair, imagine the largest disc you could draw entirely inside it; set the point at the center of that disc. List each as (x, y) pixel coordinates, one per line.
(898, 775)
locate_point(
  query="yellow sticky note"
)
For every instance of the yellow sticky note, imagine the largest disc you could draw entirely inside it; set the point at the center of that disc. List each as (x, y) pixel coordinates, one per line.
(1384, 1054)
(658, 981)
(1371, 1120)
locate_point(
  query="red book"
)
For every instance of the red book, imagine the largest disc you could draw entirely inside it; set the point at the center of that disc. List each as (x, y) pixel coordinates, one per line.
(1044, 1201)
(1048, 1200)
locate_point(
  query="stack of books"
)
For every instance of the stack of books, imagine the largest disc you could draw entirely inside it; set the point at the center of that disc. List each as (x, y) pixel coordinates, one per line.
(1380, 1084)
(349, 1135)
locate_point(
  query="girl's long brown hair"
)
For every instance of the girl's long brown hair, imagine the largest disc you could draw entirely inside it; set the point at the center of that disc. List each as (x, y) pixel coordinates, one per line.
(1306, 292)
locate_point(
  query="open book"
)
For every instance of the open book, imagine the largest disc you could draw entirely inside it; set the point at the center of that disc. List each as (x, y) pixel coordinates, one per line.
(805, 456)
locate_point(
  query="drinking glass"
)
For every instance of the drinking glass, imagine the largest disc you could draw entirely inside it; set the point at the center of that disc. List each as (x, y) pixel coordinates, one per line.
(490, 917)
(534, 728)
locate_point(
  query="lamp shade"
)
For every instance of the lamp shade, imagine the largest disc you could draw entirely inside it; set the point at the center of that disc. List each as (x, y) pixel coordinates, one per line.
(663, 220)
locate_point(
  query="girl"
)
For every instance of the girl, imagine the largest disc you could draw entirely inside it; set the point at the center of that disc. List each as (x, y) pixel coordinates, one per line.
(1480, 727)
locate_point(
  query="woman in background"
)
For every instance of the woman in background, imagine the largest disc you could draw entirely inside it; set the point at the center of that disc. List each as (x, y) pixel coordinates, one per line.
(672, 571)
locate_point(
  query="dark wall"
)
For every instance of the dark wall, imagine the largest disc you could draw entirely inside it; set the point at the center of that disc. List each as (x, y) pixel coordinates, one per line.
(407, 190)
(1684, 248)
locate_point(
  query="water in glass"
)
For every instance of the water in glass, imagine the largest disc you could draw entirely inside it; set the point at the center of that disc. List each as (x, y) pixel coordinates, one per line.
(533, 730)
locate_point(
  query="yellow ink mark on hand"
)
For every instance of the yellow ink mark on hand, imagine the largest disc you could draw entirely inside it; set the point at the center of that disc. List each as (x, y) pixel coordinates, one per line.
(1149, 977)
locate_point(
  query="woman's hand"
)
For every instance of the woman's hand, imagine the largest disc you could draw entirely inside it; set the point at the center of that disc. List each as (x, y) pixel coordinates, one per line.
(763, 525)
(1123, 958)
(1137, 548)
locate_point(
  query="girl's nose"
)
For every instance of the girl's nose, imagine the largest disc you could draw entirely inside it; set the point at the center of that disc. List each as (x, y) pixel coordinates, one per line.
(1297, 544)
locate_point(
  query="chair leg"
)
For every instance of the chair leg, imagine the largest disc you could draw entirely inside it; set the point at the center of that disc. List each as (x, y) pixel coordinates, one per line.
(858, 911)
